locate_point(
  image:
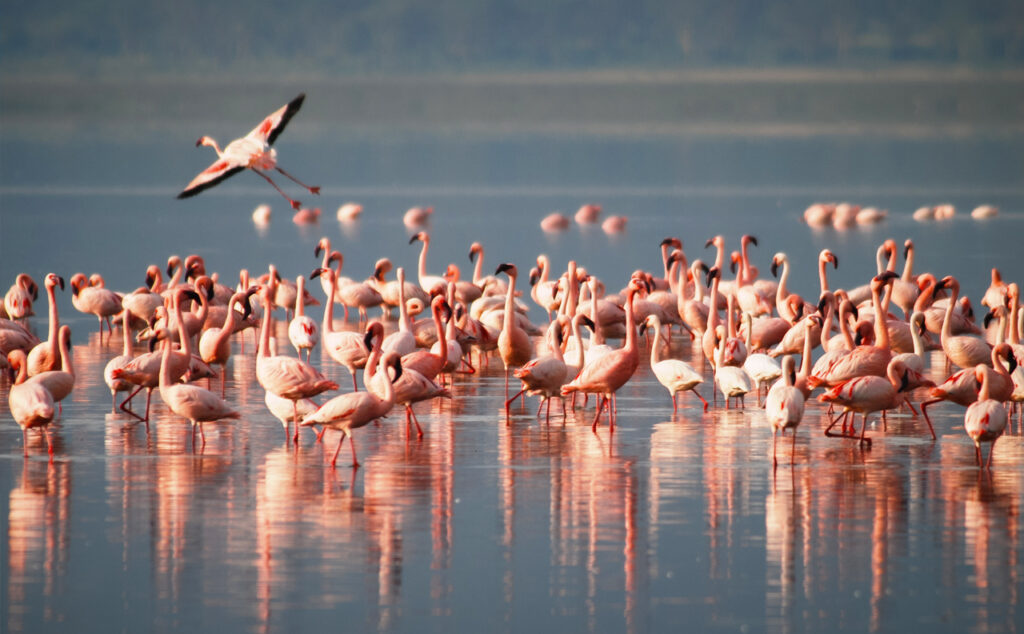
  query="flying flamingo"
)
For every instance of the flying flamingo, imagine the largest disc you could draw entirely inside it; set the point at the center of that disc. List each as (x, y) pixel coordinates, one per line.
(195, 403)
(30, 402)
(253, 151)
(784, 406)
(46, 355)
(676, 375)
(610, 372)
(986, 418)
(357, 409)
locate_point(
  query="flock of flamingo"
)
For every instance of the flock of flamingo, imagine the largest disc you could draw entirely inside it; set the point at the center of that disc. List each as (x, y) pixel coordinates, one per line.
(874, 364)
(751, 330)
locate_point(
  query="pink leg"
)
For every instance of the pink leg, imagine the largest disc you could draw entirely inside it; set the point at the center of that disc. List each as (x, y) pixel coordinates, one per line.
(600, 405)
(352, 446)
(24, 440)
(991, 450)
(334, 458)
(312, 190)
(295, 204)
(694, 390)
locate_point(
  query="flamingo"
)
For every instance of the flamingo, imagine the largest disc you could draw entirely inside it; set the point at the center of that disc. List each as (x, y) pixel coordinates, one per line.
(215, 343)
(302, 330)
(676, 375)
(985, 419)
(403, 340)
(545, 375)
(119, 384)
(18, 299)
(587, 214)
(869, 394)
(94, 300)
(514, 345)
(544, 291)
(784, 406)
(760, 367)
(61, 382)
(253, 151)
(46, 355)
(963, 350)
(732, 381)
(195, 403)
(553, 222)
(614, 224)
(357, 409)
(417, 216)
(31, 404)
(349, 212)
(606, 374)
(427, 282)
(286, 377)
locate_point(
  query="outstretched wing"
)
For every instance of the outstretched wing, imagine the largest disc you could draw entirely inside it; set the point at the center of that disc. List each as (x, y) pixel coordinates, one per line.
(269, 129)
(220, 170)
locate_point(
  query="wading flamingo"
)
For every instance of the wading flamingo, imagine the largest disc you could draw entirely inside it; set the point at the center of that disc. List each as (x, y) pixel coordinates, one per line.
(986, 418)
(784, 406)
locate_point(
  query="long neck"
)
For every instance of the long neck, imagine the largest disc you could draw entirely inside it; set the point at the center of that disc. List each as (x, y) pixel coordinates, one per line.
(783, 292)
(745, 263)
(630, 344)
(51, 295)
(229, 325)
(983, 394)
(300, 286)
(264, 348)
(805, 358)
(404, 324)
(925, 298)
(165, 364)
(822, 274)
(881, 328)
(579, 341)
(126, 348)
(1014, 333)
(442, 337)
(510, 303)
(915, 333)
(65, 354)
(844, 325)
(713, 312)
(574, 291)
(186, 342)
(997, 358)
(908, 266)
(670, 277)
(947, 320)
(478, 266)
(595, 314)
(423, 260)
(325, 262)
(328, 323)
(656, 346)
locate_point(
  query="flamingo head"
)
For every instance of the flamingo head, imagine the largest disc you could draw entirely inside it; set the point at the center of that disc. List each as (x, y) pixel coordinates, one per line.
(323, 245)
(53, 280)
(748, 239)
(506, 267)
(908, 247)
(712, 274)
(373, 330)
(777, 260)
(827, 298)
(534, 276)
(173, 262)
(475, 249)
(422, 236)
(734, 259)
(78, 282)
(717, 241)
(828, 256)
(380, 268)
(195, 263)
(393, 361)
(675, 243)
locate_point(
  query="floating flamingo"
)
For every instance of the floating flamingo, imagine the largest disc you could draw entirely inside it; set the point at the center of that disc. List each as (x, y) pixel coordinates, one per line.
(252, 151)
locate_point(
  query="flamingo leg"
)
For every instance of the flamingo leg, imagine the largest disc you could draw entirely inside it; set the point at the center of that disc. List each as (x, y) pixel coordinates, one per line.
(924, 410)
(694, 390)
(295, 419)
(600, 406)
(775, 461)
(675, 405)
(352, 446)
(202, 435)
(24, 440)
(341, 441)
(320, 434)
(49, 443)
(312, 190)
(412, 414)
(295, 204)
(977, 453)
(355, 388)
(863, 430)
(508, 403)
(991, 450)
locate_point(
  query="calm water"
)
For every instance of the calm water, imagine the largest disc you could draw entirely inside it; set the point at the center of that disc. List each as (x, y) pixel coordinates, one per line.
(490, 523)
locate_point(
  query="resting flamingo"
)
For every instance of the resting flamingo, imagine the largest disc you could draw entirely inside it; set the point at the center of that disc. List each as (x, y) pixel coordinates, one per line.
(94, 300)
(215, 343)
(784, 406)
(545, 375)
(253, 151)
(869, 394)
(60, 382)
(985, 419)
(962, 350)
(18, 299)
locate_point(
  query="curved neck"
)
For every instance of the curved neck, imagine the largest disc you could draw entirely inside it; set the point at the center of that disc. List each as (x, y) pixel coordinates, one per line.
(783, 292)
(300, 288)
(442, 337)
(165, 364)
(423, 260)
(822, 274)
(126, 333)
(595, 314)
(1014, 332)
(997, 359)
(656, 346)
(51, 296)
(268, 311)
(805, 358)
(404, 324)
(926, 297)
(844, 325)
(983, 394)
(630, 344)
(478, 267)
(745, 262)
(915, 334)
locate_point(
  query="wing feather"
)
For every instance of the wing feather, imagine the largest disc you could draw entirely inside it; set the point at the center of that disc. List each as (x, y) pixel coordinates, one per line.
(270, 128)
(220, 170)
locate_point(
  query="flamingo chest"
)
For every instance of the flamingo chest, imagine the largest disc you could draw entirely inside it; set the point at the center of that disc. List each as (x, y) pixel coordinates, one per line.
(251, 153)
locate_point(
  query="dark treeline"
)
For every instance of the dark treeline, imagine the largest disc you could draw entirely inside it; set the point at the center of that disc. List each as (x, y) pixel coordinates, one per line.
(402, 36)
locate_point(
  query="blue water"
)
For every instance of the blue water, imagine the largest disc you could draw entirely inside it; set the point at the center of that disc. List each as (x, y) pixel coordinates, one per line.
(488, 523)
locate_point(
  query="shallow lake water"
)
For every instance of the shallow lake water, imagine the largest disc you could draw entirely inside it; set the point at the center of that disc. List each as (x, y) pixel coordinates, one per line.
(491, 522)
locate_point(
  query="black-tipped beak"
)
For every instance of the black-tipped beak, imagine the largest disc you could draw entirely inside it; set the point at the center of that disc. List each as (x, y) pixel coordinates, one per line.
(472, 255)
(822, 303)
(396, 364)
(987, 319)
(752, 240)
(414, 238)
(60, 281)
(534, 277)
(503, 267)
(774, 268)
(368, 339)
(888, 275)
(194, 296)
(317, 272)
(835, 262)
(709, 243)
(317, 250)
(904, 381)
(170, 269)
(588, 322)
